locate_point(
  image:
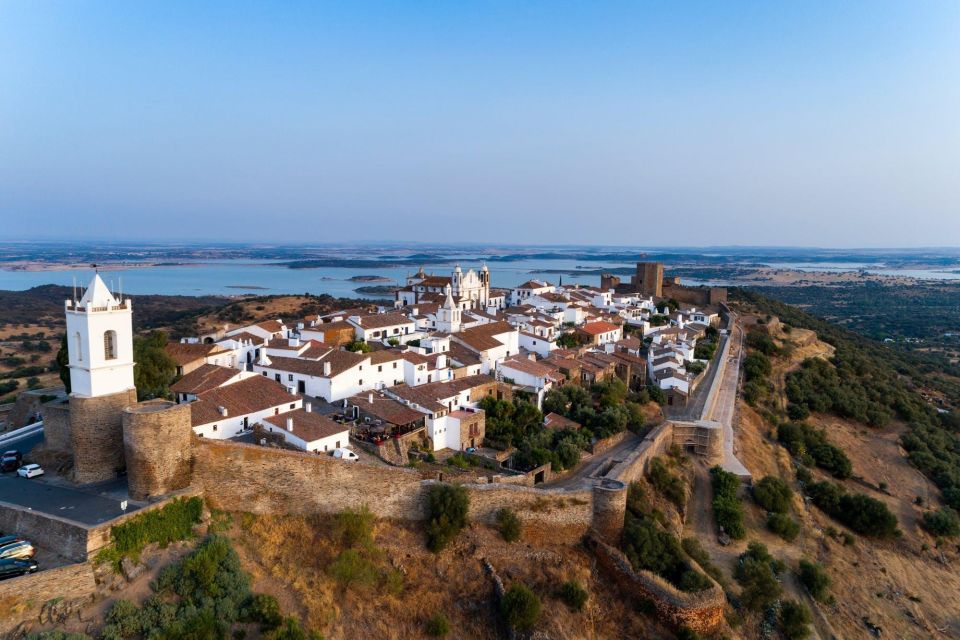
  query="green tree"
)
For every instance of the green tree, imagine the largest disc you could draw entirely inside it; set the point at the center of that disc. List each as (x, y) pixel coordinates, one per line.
(155, 370)
(773, 494)
(794, 619)
(63, 360)
(814, 578)
(447, 507)
(509, 524)
(520, 607)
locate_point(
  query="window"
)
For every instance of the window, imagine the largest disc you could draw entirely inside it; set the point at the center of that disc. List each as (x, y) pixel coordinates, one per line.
(214, 427)
(289, 376)
(264, 374)
(110, 345)
(379, 368)
(394, 365)
(79, 346)
(360, 381)
(276, 411)
(293, 406)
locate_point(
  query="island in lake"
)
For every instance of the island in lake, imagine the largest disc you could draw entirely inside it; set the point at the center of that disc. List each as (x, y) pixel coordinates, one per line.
(370, 279)
(377, 290)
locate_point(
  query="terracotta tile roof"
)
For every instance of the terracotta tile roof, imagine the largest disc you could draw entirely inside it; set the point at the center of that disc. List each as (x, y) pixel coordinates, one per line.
(244, 336)
(386, 409)
(559, 422)
(429, 395)
(528, 366)
(481, 338)
(340, 361)
(381, 320)
(183, 353)
(463, 355)
(435, 281)
(204, 378)
(273, 326)
(308, 425)
(384, 356)
(240, 398)
(533, 284)
(596, 328)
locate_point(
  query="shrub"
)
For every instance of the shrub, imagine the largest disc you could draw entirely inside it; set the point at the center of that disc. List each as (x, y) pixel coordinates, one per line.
(290, 629)
(757, 572)
(123, 619)
(794, 618)
(727, 509)
(520, 607)
(573, 595)
(943, 523)
(814, 578)
(447, 506)
(508, 522)
(265, 611)
(773, 494)
(695, 550)
(668, 484)
(802, 440)
(865, 515)
(438, 626)
(352, 569)
(784, 526)
(354, 527)
(171, 523)
(649, 547)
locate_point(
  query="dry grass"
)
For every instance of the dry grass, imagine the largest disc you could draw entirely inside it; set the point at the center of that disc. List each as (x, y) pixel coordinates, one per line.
(290, 556)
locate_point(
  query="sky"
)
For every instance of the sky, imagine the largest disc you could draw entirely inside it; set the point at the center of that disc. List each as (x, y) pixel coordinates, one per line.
(657, 123)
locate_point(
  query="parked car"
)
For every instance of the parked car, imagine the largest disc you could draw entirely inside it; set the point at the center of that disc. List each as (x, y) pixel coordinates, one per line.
(345, 454)
(30, 471)
(471, 449)
(12, 568)
(21, 549)
(10, 460)
(5, 540)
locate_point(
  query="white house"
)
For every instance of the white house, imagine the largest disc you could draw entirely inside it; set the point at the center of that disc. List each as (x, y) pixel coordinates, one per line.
(226, 412)
(337, 375)
(491, 343)
(540, 345)
(529, 288)
(439, 400)
(382, 326)
(308, 430)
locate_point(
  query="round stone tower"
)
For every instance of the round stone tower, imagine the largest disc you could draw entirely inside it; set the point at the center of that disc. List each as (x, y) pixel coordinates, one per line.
(609, 510)
(157, 446)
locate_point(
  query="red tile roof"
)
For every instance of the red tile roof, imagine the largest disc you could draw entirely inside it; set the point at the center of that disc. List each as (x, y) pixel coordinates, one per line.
(596, 328)
(240, 398)
(308, 425)
(204, 378)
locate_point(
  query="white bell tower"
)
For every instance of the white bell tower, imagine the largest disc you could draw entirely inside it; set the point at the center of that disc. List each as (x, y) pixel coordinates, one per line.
(448, 316)
(99, 342)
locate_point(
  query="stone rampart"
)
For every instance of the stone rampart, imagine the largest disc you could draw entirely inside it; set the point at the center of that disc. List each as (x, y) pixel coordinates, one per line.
(24, 598)
(701, 611)
(157, 446)
(65, 537)
(56, 425)
(96, 433)
(635, 463)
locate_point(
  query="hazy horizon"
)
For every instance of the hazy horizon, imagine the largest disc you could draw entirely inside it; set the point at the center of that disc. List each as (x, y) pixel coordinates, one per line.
(543, 124)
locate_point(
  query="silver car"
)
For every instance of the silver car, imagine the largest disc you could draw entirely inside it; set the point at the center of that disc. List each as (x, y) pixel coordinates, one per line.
(19, 550)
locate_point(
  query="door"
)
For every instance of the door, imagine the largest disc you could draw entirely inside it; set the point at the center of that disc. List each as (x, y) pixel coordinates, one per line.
(301, 386)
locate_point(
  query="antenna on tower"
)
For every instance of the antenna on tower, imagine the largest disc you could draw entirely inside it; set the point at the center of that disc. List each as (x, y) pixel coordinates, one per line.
(74, 290)
(120, 278)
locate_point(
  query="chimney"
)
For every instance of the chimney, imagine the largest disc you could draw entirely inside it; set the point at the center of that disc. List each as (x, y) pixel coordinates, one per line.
(290, 424)
(294, 342)
(222, 410)
(326, 369)
(441, 362)
(291, 391)
(307, 407)
(370, 398)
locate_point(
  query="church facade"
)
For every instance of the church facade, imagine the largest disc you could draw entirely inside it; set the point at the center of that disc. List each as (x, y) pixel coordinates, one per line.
(469, 291)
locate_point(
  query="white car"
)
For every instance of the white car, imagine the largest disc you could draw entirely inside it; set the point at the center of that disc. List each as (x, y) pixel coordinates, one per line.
(345, 454)
(30, 471)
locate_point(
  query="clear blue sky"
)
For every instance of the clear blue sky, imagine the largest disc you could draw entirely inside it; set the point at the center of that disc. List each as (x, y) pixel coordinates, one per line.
(641, 123)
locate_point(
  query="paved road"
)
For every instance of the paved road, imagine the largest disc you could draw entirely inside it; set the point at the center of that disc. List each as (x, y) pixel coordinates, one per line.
(91, 505)
(725, 406)
(695, 407)
(580, 478)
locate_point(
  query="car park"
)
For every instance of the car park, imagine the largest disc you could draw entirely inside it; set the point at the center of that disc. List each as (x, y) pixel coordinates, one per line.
(345, 454)
(13, 567)
(10, 460)
(21, 550)
(30, 471)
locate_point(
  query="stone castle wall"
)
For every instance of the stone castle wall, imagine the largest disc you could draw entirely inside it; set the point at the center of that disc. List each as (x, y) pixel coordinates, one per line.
(274, 481)
(24, 598)
(56, 425)
(157, 447)
(96, 431)
(701, 611)
(69, 539)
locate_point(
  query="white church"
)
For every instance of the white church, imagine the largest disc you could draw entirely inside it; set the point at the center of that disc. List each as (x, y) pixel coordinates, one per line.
(469, 291)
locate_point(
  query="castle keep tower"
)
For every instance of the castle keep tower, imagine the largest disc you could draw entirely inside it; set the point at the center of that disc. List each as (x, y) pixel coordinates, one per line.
(157, 440)
(100, 347)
